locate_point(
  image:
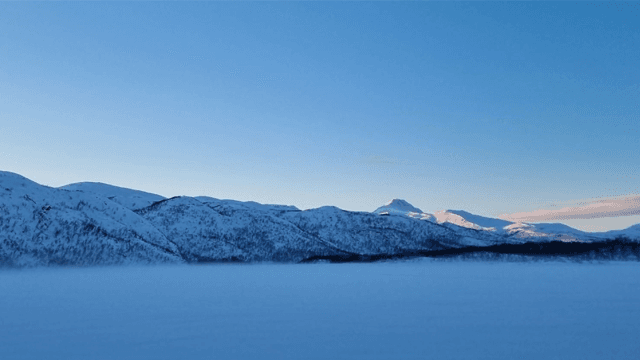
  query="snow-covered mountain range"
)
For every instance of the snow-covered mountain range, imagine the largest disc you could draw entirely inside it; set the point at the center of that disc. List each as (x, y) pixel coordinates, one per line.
(100, 224)
(506, 231)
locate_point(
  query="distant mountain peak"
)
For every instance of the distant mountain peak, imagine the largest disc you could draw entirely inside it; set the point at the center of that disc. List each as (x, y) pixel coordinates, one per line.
(398, 205)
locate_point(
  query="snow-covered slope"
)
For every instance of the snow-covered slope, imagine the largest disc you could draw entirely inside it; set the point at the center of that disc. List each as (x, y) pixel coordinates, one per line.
(515, 232)
(97, 224)
(131, 199)
(40, 225)
(548, 232)
(402, 207)
(472, 228)
(213, 230)
(456, 217)
(249, 205)
(207, 229)
(397, 206)
(632, 232)
(445, 216)
(366, 233)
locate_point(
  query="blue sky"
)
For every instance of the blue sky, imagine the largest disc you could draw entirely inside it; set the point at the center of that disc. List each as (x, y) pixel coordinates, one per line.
(494, 108)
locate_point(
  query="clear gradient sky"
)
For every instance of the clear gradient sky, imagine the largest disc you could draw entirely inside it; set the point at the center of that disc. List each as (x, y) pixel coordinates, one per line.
(491, 107)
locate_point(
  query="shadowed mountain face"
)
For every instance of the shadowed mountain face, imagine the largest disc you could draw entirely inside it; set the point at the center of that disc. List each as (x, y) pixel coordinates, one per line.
(219, 231)
(99, 224)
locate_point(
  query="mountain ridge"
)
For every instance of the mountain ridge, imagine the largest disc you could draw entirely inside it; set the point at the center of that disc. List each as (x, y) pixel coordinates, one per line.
(99, 224)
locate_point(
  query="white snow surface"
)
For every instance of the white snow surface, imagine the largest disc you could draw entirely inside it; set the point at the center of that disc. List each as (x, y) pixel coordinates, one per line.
(40, 225)
(398, 205)
(445, 216)
(131, 199)
(495, 231)
(366, 233)
(213, 230)
(455, 217)
(394, 310)
(632, 232)
(250, 205)
(553, 231)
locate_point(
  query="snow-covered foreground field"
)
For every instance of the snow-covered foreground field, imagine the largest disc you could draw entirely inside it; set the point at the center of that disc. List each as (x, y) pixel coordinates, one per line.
(397, 310)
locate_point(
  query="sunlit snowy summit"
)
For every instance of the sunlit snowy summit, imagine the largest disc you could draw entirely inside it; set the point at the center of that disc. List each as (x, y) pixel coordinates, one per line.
(500, 230)
(99, 224)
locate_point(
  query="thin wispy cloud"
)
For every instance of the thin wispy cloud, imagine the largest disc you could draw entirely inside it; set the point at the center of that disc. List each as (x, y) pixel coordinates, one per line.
(382, 160)
(614, 207)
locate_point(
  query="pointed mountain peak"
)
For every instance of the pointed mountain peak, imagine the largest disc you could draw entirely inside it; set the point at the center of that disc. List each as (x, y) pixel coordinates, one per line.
(398, 205)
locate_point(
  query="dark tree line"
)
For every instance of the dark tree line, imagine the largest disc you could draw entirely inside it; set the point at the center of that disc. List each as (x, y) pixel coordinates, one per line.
(620, 248)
